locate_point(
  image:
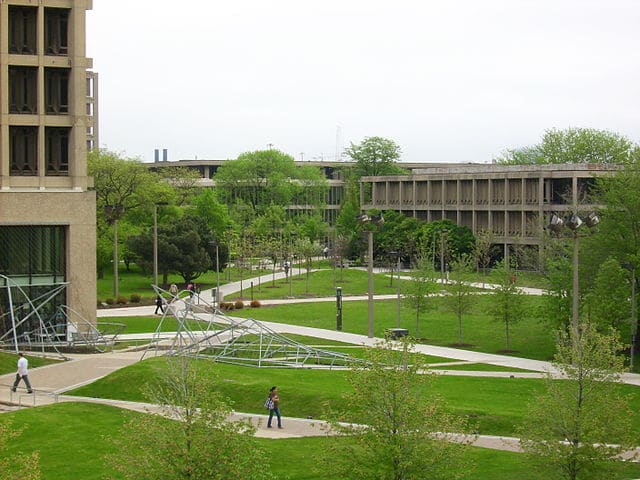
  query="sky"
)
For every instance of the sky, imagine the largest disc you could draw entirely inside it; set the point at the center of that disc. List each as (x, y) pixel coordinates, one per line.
(447, 80)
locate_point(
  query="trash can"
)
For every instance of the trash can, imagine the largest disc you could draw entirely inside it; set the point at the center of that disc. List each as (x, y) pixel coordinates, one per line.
(396, 333)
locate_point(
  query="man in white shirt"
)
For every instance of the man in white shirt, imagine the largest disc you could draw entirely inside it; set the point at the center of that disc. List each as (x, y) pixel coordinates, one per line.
(23, 373)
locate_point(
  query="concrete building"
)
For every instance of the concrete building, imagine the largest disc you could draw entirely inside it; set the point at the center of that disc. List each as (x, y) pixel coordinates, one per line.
(511, 202)
(47, 213)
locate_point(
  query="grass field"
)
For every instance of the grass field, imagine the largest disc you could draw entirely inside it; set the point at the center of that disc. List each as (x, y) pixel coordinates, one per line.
(495, 404)
(71, 447)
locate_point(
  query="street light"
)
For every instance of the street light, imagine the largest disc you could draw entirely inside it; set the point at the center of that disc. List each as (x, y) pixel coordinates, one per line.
(398, 255)
(113, 213)
(155, 240)
(574, 222)
(375, 221)
(634, 315)
(216, 299)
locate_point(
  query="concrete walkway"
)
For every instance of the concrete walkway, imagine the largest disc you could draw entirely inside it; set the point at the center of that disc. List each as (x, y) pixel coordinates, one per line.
(50, 382)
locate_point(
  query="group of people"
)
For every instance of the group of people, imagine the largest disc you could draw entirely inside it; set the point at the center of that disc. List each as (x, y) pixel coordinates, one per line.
(173, 290)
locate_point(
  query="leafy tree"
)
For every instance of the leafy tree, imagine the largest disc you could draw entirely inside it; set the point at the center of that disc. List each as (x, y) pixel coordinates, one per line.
(459, 299)
(397, 234)
(574, 145)
(445, 240)
(483, 250)
(507, 303)
(183, 248)
(19, 466)
(267, 177)
(576, 428)
(190, 436)
(214, 213)
(608, 302)
(185, 181)
(402, 438)
(375, 156)
(419, 290)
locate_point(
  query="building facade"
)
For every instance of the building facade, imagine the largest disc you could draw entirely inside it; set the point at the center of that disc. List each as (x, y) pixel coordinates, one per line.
(512, 203)
(47, 212)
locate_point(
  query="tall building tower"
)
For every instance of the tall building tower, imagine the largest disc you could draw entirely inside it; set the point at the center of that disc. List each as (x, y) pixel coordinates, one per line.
(47, 213)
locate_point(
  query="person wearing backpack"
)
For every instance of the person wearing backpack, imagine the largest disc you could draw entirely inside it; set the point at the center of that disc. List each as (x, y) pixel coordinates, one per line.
(273, 404)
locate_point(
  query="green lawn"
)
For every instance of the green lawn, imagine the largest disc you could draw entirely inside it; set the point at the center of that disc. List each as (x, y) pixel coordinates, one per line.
(495, 404)
(529, 337)
(9, 361)
(71, 447)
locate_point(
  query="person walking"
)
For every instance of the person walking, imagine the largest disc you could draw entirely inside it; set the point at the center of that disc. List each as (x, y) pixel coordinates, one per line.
(159, 304)
(23, 374)
(275, 410)
(173, 290)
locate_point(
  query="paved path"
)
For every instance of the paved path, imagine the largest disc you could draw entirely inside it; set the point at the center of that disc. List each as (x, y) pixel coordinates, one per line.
(52, 381)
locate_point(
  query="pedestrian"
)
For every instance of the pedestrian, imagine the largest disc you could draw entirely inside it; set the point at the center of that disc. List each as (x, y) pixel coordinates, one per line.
(23, 374)
(192, 289)
(173, 289)
(159, 304)
(275, 398)
(325, 251)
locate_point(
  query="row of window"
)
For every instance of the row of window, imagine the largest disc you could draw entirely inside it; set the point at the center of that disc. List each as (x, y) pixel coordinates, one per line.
(23, 37)
(23, 150)
(23, 90)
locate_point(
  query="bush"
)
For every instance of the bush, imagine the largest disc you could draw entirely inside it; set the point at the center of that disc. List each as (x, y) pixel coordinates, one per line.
(239, 305)
(110, 301)
(135, 298)
(226, 306)
(122, 300)
(255, 304)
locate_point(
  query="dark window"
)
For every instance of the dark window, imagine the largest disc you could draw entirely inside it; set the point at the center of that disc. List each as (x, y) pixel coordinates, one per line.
(56, 22)
(23, 89)
(22, 30)
(32, 257)
(23, 148)
(56, 90)
(57, 150)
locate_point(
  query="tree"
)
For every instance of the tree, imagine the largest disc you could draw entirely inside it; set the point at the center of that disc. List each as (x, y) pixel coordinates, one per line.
(420, 289)
(445, 240)
(18, 466)
(608, 301)
(577, 427)
(459, 300)
(402, 420)
(183, 248)
(190, 436)
(507, 303)
(483, 250)
(375, 156)
(121, 184)
(268, 177)
(574, 145)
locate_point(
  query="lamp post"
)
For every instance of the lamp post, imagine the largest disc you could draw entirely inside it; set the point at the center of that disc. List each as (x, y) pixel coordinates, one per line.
(574, 222)
(398, 255)
(216, 298)
(155, 241)
(634, 314)
(113, 213)
(368, 221)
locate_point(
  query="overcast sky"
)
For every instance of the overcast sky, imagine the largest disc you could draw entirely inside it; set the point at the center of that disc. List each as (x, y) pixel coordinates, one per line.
(449, 81)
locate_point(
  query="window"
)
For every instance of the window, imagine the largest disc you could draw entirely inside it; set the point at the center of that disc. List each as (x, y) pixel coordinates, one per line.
(56, 90)
(56, 22)
(22, 30)
(23, 89)
(57, 150)
(23, 148)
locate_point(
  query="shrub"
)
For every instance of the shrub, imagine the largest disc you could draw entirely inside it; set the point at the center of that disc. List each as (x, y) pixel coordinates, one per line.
(239, 305)
(122, 300)
(110, 301)
(135, 298)
(255, 304)
(226, 306)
